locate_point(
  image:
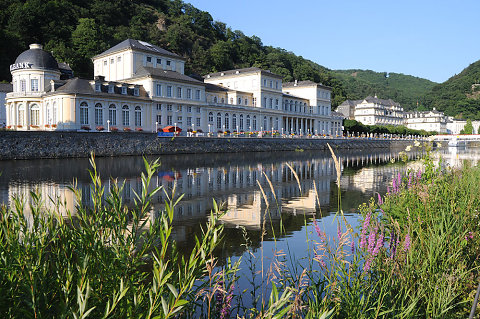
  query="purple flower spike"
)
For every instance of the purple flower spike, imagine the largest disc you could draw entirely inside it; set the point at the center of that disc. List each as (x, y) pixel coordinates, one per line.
(352, 246)
(339, 231)
(410, 175)
(407, 243)
(371, 242)
(380, 200)
(394, 186)
(379, 245)
(317, 229)
(419, 175)
(366, 266)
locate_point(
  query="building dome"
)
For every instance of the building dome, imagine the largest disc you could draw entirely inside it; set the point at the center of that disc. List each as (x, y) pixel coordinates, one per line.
(35, 58)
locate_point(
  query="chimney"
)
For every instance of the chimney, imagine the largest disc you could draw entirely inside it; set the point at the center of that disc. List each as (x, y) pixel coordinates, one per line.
(52, 86)
(36, 46)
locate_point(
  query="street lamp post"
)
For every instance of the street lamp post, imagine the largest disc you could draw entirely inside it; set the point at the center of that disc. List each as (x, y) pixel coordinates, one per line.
(237, 131)
(156, 127)
(108, 125)
(209, 129)
(193, 129)
(175, 132)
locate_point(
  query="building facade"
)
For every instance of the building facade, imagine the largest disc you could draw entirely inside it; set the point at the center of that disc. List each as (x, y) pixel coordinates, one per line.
(433, 121)
(141, 87)
(4, 89)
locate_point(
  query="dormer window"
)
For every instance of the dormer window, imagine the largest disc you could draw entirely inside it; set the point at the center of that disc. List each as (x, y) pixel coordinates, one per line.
(136, 91)
(105, 62)
(111, 88)
(124, 90)
(98, 87)
(112, 61)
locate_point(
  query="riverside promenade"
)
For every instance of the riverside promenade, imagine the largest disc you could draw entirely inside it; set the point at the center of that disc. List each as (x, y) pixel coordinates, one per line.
(34, 145)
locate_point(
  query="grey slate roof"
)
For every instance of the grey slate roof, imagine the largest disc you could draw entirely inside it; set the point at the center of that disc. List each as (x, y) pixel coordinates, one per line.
(215, 88)
(82, 86)
(6, 87)
(38, 58)
(371, 99)
(350, 102)
(304, 83)
(293, 96)
(244, 70)
(166, 74)
(139, 45)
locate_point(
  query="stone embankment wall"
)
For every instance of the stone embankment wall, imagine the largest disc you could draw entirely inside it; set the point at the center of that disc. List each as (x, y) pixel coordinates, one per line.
(30, 145)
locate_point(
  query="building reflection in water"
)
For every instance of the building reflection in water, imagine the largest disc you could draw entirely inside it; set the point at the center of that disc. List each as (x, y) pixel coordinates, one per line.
(228, 178)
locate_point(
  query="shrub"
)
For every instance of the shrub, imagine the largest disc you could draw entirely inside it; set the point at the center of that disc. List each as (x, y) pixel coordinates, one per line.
(85, 128)
(139, 129)
(127, 129)
(114, 129)
(100, 128)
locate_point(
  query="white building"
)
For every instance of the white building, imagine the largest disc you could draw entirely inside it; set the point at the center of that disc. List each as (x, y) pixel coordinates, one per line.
(139, 86)
(430, 121)
(455, 126)
(375, 111)
(4, 89)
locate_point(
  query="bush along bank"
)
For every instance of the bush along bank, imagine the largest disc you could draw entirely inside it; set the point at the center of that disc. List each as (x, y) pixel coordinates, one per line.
(414, 256)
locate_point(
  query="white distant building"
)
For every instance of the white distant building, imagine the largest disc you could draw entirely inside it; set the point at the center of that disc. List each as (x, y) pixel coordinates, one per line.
(454, 126)
(373, 111)
(430, 121)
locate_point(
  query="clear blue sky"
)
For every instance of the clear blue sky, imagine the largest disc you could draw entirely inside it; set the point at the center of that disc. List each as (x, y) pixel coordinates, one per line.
(424, 38)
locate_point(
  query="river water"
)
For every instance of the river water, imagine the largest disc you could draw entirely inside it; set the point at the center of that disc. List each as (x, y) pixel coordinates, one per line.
(274, 222)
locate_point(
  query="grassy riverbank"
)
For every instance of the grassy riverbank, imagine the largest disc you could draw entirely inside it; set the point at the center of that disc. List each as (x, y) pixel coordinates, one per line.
(415, 256)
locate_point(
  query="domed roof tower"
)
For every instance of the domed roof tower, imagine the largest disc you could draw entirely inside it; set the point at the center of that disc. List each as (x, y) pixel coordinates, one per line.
(33, 70)
(35, 58)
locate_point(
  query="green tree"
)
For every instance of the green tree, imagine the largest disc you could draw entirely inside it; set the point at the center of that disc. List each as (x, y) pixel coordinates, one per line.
(468, 128)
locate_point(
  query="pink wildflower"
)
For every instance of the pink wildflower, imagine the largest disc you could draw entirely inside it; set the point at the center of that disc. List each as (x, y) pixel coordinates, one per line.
(379, 245)
(371, 241)
(407, 243)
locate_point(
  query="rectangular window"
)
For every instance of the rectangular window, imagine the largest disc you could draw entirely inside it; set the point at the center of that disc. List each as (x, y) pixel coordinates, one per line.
(189, 93)
(179, 120)
(179, 93)
(198, 122)
(119, 59)
(136, 91)
(169, 120)
(98, 87)
(168, 62)
(270, 104)
(179, 108)
(138, 118)
(112, 116)
(124, 90)
(159, 119)
(159, 61)
(98, 116)
(169, 107)
(264, 102)
(197, 95)
(83, 116)
(189, 120)
(276, 85)
(159, 107)
(198, 109)
(125, 117)
(189, 109)
(111, 89)
(271, 84)
(159, 90)
(112, 61)
(34, 84)
(105, 62)
(169, 91)
(265, 82)
(149, 59)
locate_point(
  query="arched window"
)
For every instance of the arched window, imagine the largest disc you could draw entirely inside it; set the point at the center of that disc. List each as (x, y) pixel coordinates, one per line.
(234, 121)
(138, 116)
(84, 113)
(223, 100)
(241, 122)
(125, 115)
(210, 117)
(35, 114)
(98, 114)
(21, 115)
(254, 123)
(227, 121)
(219, 121)
(248, 122)
(112, 114)
(215, 99)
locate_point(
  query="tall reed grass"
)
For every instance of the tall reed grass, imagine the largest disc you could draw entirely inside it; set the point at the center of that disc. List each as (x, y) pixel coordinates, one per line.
(414, 256)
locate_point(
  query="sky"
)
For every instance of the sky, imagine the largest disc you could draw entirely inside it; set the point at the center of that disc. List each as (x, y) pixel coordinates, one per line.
(429, 39)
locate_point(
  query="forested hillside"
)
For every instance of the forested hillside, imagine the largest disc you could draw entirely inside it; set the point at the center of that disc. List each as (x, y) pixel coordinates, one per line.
(459, 95)
(405, 89)
(76, 30)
